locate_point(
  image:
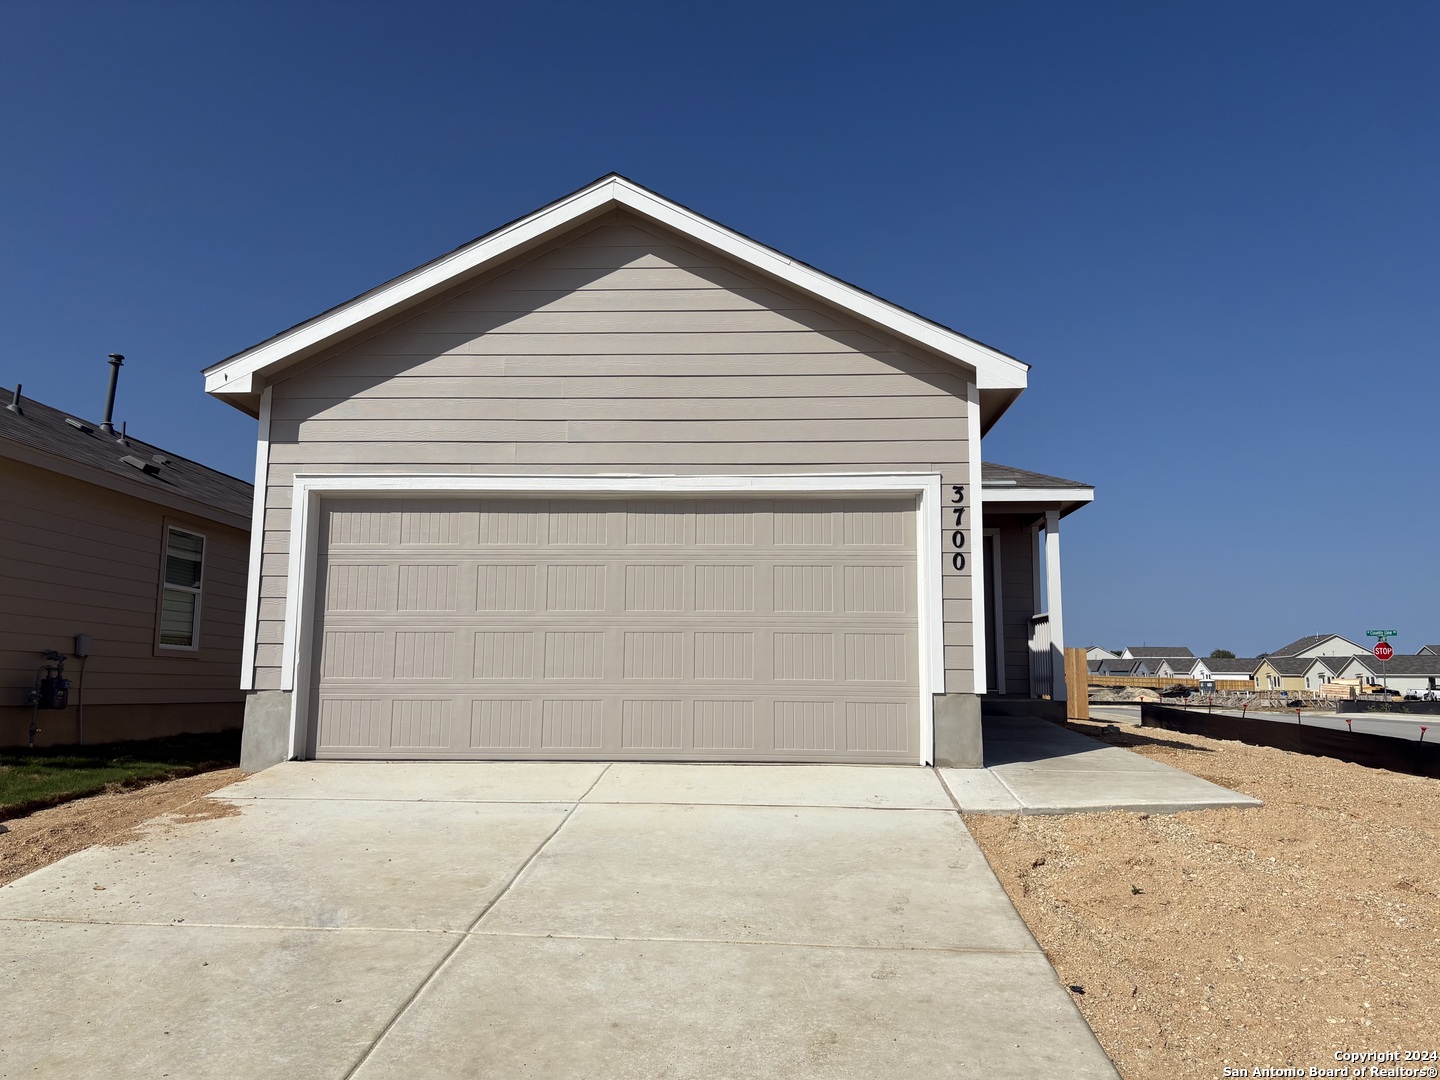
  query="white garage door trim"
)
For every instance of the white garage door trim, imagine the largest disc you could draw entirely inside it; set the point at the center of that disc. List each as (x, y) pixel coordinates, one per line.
(310, 489)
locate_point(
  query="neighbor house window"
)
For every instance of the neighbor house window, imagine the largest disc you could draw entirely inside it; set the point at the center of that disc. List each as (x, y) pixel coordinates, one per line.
(180, 597)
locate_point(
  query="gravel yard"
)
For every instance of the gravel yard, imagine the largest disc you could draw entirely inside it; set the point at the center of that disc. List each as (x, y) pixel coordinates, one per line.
(1256, 938)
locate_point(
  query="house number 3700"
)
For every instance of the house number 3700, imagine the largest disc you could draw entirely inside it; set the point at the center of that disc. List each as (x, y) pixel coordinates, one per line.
(957, 537)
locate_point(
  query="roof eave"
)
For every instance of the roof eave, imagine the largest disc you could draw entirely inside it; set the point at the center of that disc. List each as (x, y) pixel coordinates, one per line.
(1012, 498)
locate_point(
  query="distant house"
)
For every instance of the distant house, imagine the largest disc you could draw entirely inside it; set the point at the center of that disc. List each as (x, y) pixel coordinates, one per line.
(1409, 674)
(1154, 652)
(1428, 650)
(113, 547)
(1235, 668)
(1296, 674)
(1125, 667)
(1095, 652)
(1321, 645)
(1183, 667)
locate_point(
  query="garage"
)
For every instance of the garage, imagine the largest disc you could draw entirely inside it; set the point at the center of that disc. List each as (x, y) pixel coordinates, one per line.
(653, 628)
(616, 482)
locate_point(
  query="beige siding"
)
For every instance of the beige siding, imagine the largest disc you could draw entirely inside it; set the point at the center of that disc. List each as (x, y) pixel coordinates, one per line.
(621, 351)
(78, 558)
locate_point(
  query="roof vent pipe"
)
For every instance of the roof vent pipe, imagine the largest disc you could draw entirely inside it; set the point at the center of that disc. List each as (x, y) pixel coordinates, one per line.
(14, 405)
(105, 425)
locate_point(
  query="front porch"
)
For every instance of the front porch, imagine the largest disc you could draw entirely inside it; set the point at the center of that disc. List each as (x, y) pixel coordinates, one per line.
(1022, 581)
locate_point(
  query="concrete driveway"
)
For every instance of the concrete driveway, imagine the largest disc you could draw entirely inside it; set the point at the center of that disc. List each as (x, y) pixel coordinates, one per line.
(538, 920)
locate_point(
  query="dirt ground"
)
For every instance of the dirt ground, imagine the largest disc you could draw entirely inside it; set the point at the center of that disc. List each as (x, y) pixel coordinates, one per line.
(38, 839)
(1260, 938)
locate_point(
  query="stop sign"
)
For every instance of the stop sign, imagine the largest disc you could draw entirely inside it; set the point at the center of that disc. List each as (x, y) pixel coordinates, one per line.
(1383, 651)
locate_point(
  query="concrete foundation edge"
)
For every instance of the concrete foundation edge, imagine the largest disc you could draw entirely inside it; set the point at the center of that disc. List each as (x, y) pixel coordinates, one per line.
(1043, 708)
(266, 738)
(958, 744)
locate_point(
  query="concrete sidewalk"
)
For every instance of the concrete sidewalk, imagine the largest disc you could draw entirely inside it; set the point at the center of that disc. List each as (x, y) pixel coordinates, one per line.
(546, 920)
(1033, 766)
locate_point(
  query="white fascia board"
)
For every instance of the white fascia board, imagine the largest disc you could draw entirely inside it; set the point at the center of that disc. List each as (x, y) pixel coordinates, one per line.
(994, 370)
(257, 546)
(309, 488)
(1041, 495)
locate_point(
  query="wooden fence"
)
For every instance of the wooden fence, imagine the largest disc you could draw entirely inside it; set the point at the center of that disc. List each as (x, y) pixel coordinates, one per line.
(1078, 681)
(1157, 682)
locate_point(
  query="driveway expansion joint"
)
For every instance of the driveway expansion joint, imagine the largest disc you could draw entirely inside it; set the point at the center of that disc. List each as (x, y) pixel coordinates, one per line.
(836, 946)
(462, 937)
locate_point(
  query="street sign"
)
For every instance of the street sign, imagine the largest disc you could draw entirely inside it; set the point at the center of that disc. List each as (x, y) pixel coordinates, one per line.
(1382, 634)
(1383, 651)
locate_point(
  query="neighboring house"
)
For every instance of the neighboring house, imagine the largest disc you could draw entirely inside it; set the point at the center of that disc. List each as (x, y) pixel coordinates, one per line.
(1236, 668)
(136, 549)
(1428, 650)
(615, 482)
(1321, 645)
(1095, 652)
(1126, 668)
(1418, 673)
(1149, 652)
(1182, 667)
(1296, 674)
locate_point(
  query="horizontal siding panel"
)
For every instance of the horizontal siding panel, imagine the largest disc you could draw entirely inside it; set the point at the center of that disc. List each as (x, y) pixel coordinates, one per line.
(600, 299)
(829, 364)
(662, 384)
(607, 431)
(740, 407)
(629, 278)
(713, 456)
(498, 343)
(547, 323)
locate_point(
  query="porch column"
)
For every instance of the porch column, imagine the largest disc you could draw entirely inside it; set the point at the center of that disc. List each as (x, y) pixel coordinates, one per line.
(1052, 602)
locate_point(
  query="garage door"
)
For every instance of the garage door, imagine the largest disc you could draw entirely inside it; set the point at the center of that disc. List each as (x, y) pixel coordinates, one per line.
(612, 629)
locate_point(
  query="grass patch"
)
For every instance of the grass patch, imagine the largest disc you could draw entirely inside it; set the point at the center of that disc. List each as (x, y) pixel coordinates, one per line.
(34, 779)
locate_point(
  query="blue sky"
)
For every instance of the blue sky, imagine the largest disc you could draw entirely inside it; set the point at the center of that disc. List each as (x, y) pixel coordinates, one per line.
(1210, 228)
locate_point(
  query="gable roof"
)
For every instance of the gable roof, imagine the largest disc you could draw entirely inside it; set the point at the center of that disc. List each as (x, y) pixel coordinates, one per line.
(1299, 665)
(1159, 653)
(1310, 642)
(46, 437)
(1119, 667)
(1239, 665)
(1412, 664)
(240, 378)
(1428, 650)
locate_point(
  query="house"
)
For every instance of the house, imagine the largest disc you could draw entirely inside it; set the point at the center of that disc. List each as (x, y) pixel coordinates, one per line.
(1321, 645)
(1149, 652)
(1295, 674)
(1181, 667)
(1417, 674)
(130, 562)
(1095, 652)
(617, 482)
(1125, 668)
(1236, 668)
